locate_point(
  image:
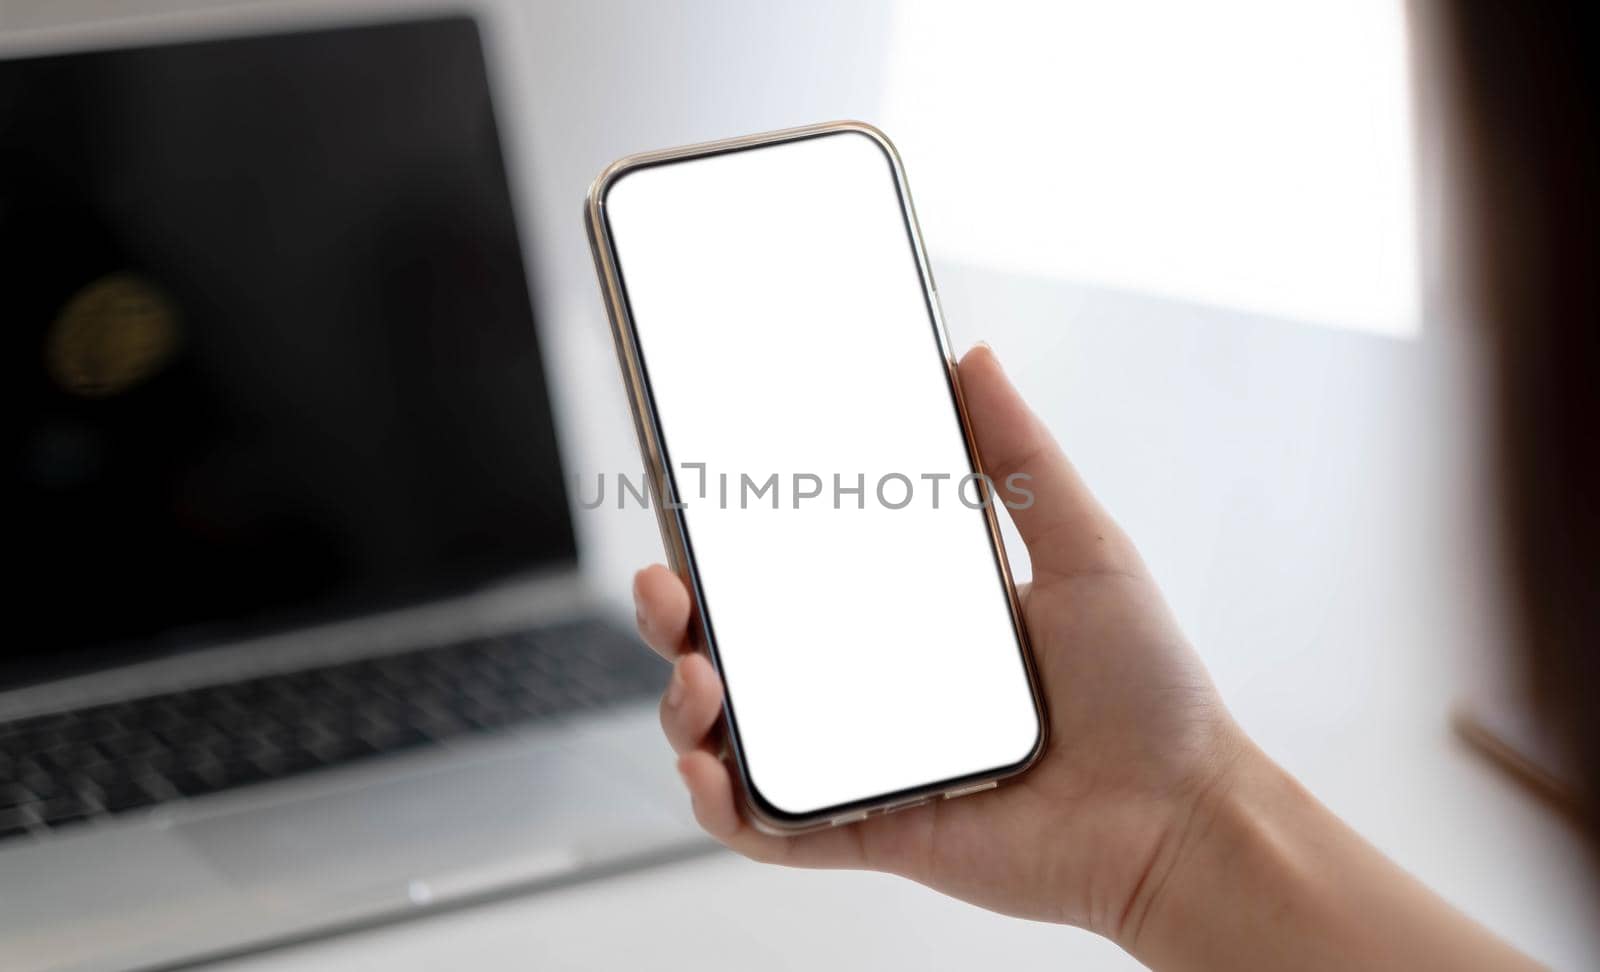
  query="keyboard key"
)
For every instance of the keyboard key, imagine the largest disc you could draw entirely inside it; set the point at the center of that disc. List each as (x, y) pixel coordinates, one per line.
(14, 794)
(289, 763)
(133, 745)
(487, 717)
(14, 821)
(400, 739)
(126, 796)
(39, 781)
(73, 756)
(153, 765)
(193, 782)
(343, 749)
(25, 743)
(62, 810)
(242, 772)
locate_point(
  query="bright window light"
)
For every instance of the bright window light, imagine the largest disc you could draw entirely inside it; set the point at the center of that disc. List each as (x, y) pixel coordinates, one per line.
(1249, 154)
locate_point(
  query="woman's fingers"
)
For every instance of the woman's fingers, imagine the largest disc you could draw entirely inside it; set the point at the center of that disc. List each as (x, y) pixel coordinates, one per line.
(691, 703)
(661, 610)
(690, 708)
(689, 711)
(711, 795)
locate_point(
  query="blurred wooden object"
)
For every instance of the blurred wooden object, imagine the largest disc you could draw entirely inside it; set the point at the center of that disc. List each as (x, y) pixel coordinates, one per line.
(1511, 736)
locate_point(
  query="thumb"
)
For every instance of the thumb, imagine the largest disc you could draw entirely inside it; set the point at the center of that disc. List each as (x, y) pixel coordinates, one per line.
(1064, 526)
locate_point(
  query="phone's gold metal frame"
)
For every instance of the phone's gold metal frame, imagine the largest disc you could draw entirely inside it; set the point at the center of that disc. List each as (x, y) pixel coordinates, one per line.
(674, 533)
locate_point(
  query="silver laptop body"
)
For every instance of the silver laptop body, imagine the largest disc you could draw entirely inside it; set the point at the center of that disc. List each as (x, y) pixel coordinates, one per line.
(535, 802)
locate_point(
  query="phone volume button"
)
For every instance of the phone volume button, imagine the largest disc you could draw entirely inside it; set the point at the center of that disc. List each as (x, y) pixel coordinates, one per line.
(968, 790)
(906, 805)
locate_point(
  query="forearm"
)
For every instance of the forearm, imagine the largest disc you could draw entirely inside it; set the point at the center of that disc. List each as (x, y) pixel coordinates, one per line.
(1262, 876)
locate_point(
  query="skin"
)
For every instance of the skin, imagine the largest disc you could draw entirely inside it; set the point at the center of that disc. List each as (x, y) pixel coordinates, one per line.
(1151, 818)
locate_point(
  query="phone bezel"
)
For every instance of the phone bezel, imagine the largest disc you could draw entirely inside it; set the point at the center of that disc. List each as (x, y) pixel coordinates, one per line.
(674, 530)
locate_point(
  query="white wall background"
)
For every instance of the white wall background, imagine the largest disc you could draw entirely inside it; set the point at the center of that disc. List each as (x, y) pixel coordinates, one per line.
(1249, 154)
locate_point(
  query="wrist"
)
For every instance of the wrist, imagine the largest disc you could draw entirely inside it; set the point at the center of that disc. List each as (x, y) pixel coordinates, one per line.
(1259, 875)
(1220, 828)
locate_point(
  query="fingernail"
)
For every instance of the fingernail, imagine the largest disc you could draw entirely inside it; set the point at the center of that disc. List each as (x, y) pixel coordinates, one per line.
(985, 345)
(675, 687)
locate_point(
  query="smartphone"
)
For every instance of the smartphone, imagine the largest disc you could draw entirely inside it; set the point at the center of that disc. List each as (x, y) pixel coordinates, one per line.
(813, 473)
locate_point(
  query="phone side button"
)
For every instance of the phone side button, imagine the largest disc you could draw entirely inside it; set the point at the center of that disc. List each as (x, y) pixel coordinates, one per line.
(969, 790)
(907, 805)
(848, 818)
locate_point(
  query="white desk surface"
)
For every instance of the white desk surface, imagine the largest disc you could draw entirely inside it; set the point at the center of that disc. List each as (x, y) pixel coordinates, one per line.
(1312, 503)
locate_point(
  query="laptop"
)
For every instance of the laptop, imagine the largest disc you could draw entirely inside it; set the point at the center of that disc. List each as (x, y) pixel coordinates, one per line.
(297, 638)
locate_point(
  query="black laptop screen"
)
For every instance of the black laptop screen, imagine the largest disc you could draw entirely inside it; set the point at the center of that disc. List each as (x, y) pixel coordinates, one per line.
(268, 341)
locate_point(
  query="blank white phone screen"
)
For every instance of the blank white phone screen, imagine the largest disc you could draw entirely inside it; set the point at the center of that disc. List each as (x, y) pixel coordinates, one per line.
(853, 596)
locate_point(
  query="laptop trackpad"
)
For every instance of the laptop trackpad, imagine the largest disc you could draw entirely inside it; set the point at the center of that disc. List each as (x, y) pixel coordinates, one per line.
(449, 832)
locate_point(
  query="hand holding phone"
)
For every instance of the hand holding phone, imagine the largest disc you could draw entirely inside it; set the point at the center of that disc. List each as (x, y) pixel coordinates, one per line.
(1137, 729)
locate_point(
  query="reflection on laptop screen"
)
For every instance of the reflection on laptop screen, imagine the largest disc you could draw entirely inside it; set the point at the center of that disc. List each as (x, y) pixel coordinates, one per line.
(268, 340)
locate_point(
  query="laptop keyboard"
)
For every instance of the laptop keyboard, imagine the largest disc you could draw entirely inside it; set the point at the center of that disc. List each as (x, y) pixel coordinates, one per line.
(65, 768)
